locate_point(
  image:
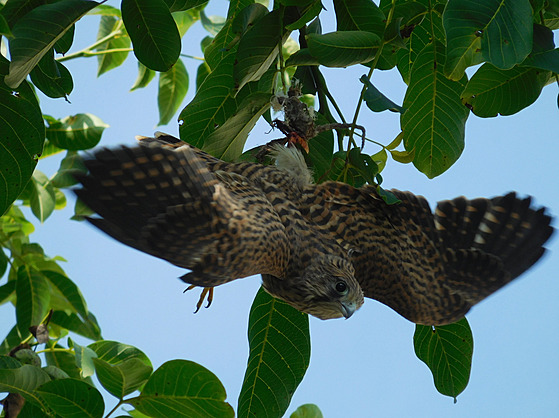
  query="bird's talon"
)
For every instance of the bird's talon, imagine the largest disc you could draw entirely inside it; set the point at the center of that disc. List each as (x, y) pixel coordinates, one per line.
(207, 291)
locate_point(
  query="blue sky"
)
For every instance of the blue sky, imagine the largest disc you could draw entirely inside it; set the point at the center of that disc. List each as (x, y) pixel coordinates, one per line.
(361, 367)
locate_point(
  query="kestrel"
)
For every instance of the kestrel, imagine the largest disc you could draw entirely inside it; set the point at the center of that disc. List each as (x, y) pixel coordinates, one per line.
(319, 247)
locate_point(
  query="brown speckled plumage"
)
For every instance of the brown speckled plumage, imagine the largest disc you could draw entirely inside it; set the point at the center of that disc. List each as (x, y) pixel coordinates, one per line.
(225, 221)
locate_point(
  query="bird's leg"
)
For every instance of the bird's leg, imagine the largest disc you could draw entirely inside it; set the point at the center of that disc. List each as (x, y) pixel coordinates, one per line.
(207, 291)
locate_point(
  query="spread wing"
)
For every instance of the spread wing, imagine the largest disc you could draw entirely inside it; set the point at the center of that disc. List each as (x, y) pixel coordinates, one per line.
(167, 203)
(431, 268)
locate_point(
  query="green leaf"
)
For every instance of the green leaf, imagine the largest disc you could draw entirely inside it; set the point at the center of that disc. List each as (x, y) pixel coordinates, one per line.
(72, 398)
(65, 42)
(21, 142)
(7, 291)
(84, 359)
(342, 49)
(178, 5)
(185, 20)
(376, 101)
(5, 28)
(380, 159)
(433, 123)
(496, 31)
(258, 48)
(33, 296)
(145, 75)
(173, 86)
(124, 378)
(544, 55)
(51, 77)
(427, 26)
(3, 266)
(7, 362)
(213, 24)
(67, 290)
(321, 149)
(360, 15)
(447, 350)
(78, 132)
(307, 13)
(114, 352)
(228, 141)
(42, 199)
(71, 164)
(280, 349)
(492, 91)
(37, 32)
(210, 107)
(301, 58)
(81, 210)
(106, 62)
(64, 360)
(28, 356)
(87, 327)
(23, 380)
(13, 339)
(201, 73)
(308, 410)
(55, 373)
(223, 45)
(403, 157)
(181, 388)
(364, 165)
(154, 33)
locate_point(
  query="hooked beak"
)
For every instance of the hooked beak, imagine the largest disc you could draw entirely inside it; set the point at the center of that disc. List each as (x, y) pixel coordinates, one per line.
(348, 309)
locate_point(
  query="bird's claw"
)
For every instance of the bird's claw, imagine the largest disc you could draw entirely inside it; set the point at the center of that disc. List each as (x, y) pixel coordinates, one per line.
(207, 291)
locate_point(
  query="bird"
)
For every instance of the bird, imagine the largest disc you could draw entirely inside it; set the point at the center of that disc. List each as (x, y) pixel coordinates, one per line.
(322, 248)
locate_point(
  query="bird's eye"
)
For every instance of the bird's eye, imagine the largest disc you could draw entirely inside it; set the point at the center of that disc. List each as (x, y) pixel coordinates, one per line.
(341, 287)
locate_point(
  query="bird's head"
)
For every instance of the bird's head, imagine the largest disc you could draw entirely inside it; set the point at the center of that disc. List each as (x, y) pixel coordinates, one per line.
(327, 288)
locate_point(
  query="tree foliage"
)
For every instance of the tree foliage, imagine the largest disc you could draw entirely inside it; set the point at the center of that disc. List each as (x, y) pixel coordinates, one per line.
(249, 57)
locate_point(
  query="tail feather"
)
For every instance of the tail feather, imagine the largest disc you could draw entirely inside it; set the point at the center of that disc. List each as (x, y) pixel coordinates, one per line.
(506, 227)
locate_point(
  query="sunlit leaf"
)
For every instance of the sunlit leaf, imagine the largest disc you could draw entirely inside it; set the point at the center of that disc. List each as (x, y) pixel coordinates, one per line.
(280, 348)
(108, 61)
(359, 15)
(124, 378)
(492, 91)
(78, 132)
(23, 380)
(434, 120)
(376, 101)
(153, 31)
(210, 107)
(145, 75)
(21, 142)
(173, 85)
(342, 49)
(308, 410)
(32, 291)
(69, 291)
(87, 327)
(71, 164)
(447, 350)
(42, 198)
(74, 397)
(181, 388)
(37, 32)
(228, 141)
(258, 48)
(496, 31)
(51, 77)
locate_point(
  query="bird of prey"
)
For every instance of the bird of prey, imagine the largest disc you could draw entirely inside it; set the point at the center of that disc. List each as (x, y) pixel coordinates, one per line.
(319, 247)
